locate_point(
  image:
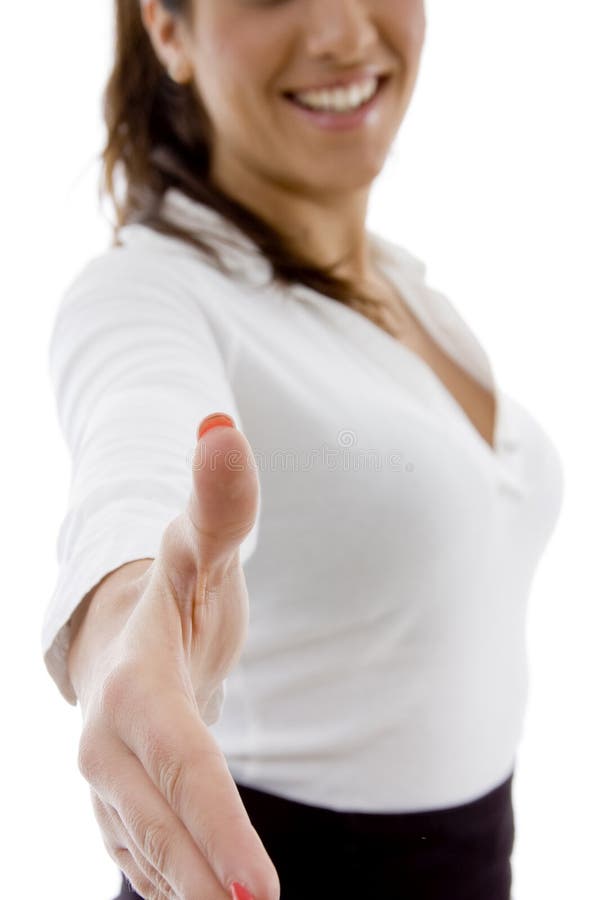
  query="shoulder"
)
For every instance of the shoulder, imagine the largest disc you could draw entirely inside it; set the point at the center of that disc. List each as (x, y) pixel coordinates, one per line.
(147, 261)
(149, 271)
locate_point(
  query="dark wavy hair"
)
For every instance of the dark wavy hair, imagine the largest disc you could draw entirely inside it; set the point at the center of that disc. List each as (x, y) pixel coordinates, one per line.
(158, 135)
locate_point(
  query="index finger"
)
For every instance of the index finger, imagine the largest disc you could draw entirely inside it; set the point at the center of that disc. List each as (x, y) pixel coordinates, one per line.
(185, 762)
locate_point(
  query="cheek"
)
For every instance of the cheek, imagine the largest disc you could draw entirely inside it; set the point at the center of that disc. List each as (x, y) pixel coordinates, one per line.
(405, 25)
(414, 23)
(240, 75)
(241, 54)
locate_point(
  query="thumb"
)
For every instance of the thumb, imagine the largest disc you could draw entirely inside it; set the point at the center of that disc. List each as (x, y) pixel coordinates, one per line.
(223, 503)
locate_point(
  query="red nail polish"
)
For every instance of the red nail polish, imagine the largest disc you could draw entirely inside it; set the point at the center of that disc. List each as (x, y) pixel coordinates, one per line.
(212, 421)
(239, 892)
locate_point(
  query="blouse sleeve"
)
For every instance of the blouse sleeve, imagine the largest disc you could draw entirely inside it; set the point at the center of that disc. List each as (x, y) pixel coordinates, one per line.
(135, 365)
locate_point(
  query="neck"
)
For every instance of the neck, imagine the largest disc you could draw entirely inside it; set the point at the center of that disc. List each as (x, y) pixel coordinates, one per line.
(328, 229)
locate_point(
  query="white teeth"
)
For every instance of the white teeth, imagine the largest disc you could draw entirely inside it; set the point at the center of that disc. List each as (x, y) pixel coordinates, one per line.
(340, 99)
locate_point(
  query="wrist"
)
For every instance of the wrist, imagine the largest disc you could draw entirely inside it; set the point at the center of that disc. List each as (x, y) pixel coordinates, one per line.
(101, 616)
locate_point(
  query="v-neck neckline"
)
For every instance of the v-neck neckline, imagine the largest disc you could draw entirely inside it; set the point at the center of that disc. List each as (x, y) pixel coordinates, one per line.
(478, 366)
(432, 310)
(444, 325)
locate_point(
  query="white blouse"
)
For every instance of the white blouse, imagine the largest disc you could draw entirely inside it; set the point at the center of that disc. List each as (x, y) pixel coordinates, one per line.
(389, 568)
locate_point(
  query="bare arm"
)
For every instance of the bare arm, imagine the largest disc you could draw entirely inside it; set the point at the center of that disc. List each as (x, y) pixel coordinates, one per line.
(102, 612)
(152, 644)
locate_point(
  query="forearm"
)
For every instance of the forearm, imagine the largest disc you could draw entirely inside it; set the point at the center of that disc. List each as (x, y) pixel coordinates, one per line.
(101, 615)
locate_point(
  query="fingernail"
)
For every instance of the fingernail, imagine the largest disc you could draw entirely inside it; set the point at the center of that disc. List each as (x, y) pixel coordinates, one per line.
(212, 421)
(239, 892)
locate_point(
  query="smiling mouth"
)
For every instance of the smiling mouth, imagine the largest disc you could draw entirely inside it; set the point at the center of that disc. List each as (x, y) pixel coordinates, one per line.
(293, 98)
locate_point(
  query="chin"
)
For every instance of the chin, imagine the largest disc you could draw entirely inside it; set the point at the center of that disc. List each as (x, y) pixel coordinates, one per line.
(333, 175)
(350, 175)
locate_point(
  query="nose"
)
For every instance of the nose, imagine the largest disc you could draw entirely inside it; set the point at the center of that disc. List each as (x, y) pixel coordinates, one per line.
(342, 29)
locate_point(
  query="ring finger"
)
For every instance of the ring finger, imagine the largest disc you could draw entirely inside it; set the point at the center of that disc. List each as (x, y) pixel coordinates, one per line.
(144, 877)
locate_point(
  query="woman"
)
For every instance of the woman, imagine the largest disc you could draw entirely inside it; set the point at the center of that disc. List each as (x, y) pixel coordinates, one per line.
(301, 671)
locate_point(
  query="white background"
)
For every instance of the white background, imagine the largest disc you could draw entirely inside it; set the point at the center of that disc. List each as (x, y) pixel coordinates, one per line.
(493, 182)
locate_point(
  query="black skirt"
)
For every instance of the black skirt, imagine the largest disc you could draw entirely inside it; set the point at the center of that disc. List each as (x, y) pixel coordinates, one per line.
(456, 853)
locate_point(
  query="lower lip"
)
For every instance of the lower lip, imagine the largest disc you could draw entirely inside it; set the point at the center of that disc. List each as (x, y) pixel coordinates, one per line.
(342, 121)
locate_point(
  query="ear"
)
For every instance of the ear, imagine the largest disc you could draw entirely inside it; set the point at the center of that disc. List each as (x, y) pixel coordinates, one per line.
(165, 31)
